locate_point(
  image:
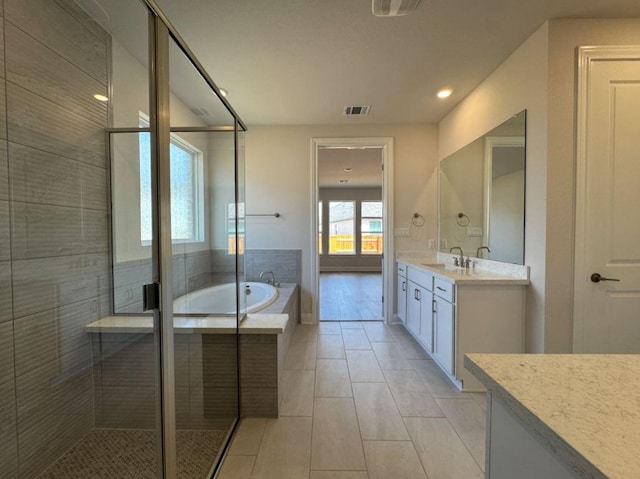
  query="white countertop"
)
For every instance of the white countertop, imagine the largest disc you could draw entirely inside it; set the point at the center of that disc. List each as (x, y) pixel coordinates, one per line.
(253, 324)
(584, 408)
(471, 276)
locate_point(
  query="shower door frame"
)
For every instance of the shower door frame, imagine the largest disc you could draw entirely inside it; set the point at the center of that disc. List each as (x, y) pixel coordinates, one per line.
(161, 31)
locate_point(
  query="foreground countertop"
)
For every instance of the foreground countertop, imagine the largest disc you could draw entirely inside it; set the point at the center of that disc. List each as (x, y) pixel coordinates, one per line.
(254, 323)
(471, 276)
(584, 408)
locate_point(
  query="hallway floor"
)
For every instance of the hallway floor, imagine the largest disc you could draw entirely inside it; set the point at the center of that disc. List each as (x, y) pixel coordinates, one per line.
(350, 296)
(361, 400)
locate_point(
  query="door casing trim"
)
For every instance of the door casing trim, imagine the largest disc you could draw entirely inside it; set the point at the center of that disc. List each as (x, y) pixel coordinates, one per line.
(388, 291)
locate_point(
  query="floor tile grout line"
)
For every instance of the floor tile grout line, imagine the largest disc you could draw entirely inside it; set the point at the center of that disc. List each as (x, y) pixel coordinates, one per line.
(455, 429)
(355, 409)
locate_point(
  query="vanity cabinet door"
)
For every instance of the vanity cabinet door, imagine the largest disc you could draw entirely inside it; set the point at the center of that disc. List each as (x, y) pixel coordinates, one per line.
(402, 299)
(443, 328)
(426, 320)
(414, 293)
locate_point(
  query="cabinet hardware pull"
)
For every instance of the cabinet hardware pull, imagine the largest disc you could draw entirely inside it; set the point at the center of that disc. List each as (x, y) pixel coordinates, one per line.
(404, 286)
(418, 294)
(433, 306)
(441, 289)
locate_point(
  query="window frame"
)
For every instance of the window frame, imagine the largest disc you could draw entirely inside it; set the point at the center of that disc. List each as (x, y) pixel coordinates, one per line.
(198, 213)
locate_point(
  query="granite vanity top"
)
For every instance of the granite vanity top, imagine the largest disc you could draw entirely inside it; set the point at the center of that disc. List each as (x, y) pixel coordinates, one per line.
(584, 408)
(253, 324)
(471, 276)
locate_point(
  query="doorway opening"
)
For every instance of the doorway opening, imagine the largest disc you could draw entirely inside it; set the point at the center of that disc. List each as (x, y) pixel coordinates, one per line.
(351, 228)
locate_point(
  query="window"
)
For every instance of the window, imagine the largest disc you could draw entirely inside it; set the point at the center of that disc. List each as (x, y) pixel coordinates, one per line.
(341, 227)
(187, 189)
(371, 227)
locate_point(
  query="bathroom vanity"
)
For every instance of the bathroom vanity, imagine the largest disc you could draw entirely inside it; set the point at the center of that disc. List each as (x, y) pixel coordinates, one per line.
(452, 311)
(560, 416)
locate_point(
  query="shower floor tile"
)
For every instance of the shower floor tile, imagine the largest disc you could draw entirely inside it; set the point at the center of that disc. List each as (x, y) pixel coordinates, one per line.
(129, 454)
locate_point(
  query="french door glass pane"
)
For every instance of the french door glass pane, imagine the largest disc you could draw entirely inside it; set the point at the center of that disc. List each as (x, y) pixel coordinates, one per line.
(341, 227)
(371, 227)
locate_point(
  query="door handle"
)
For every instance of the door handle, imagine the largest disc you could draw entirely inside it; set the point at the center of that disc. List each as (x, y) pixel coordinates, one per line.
(597, 277)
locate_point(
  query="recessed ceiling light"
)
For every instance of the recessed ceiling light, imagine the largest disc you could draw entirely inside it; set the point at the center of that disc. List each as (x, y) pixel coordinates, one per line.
(224, 92)
(344, 181)
(348, 170)
(100, 97)
(445, 93)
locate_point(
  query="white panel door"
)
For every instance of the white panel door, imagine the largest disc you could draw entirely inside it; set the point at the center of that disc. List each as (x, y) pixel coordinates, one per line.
(607, 283)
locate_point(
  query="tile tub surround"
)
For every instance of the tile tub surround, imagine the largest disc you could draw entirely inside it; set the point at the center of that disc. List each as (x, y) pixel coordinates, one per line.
(583, 408)
(286, 264)
(199, 269)
(191, 271)
(206, 396)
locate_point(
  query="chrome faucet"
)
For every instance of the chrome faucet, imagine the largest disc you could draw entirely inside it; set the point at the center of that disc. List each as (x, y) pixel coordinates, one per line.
(480, 249)
(272, 280)
(460, 261)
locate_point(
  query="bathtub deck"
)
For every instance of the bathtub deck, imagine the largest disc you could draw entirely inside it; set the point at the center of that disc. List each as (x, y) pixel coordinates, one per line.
(254, 323)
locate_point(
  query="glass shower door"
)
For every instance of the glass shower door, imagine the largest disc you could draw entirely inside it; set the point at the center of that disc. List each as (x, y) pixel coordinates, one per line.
(127, 346)
(205, 283)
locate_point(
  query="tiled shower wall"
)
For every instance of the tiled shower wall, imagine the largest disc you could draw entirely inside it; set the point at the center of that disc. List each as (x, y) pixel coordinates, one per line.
(54, 262)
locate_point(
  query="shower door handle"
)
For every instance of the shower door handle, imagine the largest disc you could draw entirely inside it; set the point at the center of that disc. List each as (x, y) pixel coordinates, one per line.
(150, 296)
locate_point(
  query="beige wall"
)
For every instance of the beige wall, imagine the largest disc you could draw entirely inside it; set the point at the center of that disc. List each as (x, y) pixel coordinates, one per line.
(564, 37)
(519, 83)
(541, 77)
(278, 177)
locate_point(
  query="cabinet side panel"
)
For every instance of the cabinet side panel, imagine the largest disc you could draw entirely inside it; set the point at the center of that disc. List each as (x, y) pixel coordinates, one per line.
(490, 319)
(515, 452)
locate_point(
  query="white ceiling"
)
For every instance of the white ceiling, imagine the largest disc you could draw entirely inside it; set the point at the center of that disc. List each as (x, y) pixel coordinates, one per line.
(365, 164)
(301, 61)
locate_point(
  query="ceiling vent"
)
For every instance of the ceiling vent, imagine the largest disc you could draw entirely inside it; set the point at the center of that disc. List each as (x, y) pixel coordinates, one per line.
(356, 110)
(200, 112)
(393, 8)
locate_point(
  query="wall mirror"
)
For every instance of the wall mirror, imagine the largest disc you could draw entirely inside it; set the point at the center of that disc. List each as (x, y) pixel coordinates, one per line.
(482, 189)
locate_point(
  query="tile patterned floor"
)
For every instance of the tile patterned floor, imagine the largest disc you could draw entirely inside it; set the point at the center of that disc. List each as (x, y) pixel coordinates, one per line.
(131, 454)
(362, 400)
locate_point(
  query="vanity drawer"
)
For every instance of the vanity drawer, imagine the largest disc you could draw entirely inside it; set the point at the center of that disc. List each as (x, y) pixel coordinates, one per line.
(444, 290)
(421, 278)
(402, 270)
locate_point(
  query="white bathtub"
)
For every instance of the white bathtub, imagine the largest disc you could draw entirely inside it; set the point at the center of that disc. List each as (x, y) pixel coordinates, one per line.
(221, 299)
